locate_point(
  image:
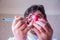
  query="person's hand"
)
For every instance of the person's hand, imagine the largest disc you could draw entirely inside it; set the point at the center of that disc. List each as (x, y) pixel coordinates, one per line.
(19, 28)
(43, 30)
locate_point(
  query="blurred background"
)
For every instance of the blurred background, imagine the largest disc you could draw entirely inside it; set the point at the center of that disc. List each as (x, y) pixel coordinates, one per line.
(11, 8)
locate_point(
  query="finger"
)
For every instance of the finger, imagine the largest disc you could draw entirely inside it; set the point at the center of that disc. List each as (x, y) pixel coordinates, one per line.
(20, 22)
(28, 27)
(16, 20)
(43, 20)
(36, 31)
(29, 15)
(40, 23)
(17, 25)
(29, 18)
(45, 25)
(48, 28)
(39, 28)
(23, 26)
(42, 30)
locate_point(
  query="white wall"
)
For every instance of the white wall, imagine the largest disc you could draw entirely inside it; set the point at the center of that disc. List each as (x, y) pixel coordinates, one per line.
(19, 6)
(54, 20)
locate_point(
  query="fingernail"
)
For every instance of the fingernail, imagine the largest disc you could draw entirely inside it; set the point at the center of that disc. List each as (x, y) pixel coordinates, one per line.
(16, 16)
